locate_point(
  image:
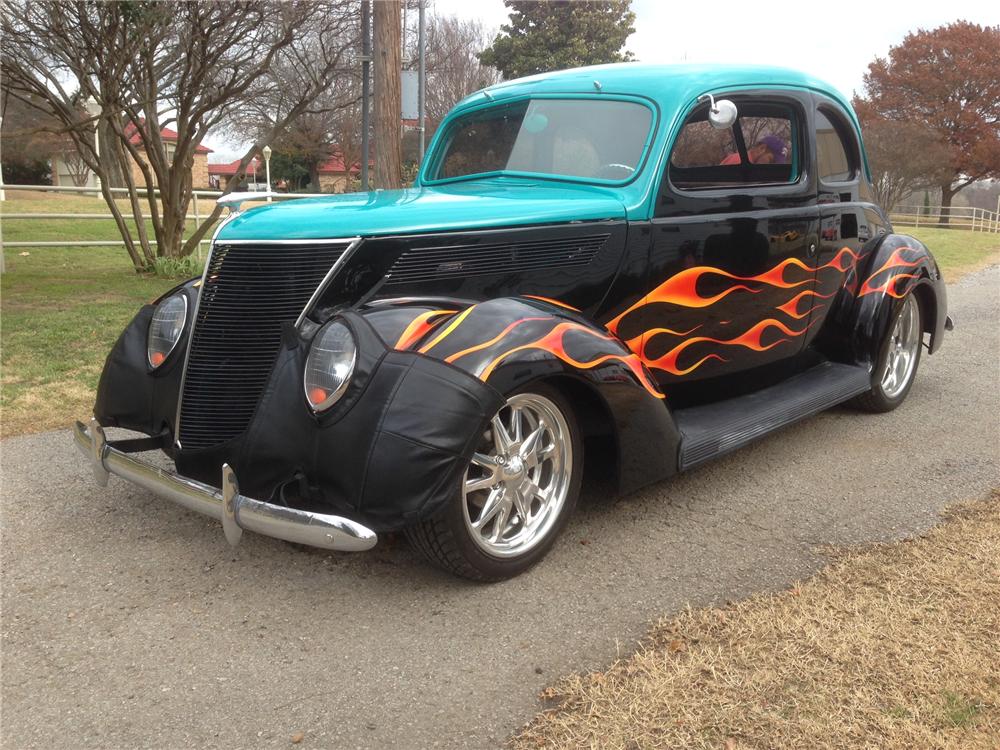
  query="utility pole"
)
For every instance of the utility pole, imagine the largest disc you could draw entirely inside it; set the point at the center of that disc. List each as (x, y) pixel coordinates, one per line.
(366, 99)
(422, 78)
(388, 105)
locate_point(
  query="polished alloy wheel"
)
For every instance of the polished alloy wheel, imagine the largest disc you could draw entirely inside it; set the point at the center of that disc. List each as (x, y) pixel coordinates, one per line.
(904, 348)
(519, 478)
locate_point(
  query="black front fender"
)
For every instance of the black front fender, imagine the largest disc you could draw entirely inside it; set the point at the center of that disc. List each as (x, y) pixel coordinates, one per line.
(511, 342)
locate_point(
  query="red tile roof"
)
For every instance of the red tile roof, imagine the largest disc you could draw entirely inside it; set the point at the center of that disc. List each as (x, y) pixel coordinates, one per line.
(230, 168)
(166, 134)
(333, 165)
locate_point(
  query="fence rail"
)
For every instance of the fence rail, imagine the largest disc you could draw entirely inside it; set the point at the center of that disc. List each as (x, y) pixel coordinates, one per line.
(959, 217)
(964, 217)
(194, 215)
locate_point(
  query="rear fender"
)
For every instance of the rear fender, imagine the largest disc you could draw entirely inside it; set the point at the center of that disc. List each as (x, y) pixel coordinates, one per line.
(510, 342)
(892, 267)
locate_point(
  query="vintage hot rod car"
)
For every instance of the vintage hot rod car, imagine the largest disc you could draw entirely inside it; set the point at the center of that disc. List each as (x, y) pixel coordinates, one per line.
(627, 268)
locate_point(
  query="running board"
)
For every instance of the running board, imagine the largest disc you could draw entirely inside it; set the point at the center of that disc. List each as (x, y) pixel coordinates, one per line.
(716, 429)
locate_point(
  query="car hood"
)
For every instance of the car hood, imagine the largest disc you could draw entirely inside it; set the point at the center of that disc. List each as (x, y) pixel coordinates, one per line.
(476, 204)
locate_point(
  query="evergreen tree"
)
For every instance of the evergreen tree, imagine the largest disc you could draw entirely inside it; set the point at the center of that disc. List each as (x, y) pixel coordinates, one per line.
(558, 34)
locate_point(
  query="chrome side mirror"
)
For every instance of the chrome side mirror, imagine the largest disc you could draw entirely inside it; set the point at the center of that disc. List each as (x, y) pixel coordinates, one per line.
(721, 114)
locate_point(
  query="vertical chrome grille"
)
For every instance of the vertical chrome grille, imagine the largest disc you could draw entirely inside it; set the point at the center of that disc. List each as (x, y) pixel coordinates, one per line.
(250, 291)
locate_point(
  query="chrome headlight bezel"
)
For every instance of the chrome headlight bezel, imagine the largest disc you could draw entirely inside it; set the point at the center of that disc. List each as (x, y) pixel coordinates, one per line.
(165, 352)
(341, 353)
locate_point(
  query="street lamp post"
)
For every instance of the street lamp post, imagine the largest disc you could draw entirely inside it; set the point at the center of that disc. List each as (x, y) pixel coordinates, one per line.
(94, 110)
(267, 170)
(3, 194)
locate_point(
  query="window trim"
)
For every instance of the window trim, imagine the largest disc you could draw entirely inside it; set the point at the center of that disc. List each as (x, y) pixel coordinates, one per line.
(764, 96)
(433, 164)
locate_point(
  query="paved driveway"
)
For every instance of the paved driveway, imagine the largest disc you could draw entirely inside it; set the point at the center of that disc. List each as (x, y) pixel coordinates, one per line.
(128, 622)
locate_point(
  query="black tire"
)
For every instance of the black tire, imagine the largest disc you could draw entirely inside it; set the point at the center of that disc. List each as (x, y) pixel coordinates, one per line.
(446, 539)
(879, 399)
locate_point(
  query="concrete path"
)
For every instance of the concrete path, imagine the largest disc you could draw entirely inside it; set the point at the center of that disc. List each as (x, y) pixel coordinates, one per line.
(128, 622)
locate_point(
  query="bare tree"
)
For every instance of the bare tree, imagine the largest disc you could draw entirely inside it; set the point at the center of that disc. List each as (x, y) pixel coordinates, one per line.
(181, 65)
(79, 172)
(904, 156)
(453, 67)
(315, 135)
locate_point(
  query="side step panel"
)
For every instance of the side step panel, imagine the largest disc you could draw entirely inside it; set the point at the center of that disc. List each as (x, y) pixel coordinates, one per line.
(715, 429)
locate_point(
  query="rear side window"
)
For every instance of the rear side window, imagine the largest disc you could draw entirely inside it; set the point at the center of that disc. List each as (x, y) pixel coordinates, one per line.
(760, 149)
(833, 149)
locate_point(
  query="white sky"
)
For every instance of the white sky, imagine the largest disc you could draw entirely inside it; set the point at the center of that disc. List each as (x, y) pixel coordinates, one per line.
(833, 41)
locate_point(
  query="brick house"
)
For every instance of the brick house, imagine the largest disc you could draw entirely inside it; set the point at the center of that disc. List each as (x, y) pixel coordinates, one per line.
(334, 176)
(63, 173)
(199, 167)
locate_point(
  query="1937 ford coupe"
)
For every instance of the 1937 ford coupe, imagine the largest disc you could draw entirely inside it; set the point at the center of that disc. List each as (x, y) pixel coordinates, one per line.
(627, 268)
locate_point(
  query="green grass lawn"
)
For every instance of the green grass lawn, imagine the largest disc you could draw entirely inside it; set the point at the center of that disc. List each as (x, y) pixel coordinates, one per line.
(957, 251)
(63, 308)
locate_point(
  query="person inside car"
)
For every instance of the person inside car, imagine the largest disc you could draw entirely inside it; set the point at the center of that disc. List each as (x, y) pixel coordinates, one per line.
(770, 149)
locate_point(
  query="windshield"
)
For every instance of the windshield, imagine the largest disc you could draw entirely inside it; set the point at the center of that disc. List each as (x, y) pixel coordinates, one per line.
(582, 138)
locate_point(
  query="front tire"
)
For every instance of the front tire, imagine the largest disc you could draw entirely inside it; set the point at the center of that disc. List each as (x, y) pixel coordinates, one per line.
(899, 356)
(516, 495)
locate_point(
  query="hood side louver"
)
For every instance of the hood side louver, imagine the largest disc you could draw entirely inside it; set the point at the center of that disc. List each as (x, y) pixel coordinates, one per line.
(489, 258)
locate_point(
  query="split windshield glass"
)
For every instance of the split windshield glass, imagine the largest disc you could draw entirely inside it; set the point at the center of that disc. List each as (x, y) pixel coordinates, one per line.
(590, 139)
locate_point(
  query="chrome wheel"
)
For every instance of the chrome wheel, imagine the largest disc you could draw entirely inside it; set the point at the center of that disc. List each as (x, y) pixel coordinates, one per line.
(520, 477)
(904, 350)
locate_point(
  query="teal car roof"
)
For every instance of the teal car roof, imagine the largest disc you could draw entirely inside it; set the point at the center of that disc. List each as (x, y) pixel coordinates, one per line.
(670, 86)
(673, 89)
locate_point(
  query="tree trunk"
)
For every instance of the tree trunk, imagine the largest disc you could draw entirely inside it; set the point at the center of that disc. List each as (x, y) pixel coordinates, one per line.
(947, 193)
(387, 98)
(314, 186)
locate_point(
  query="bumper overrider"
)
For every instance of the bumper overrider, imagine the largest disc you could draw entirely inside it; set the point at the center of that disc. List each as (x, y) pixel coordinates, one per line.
(236, 512)
(390, 452)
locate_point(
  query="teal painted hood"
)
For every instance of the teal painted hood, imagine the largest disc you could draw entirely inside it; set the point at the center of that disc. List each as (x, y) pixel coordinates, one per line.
(479, 204)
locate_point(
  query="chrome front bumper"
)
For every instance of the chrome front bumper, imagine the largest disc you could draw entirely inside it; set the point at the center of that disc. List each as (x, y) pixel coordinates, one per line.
(236, 512)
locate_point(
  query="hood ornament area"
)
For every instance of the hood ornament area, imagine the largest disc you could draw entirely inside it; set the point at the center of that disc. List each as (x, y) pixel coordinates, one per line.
(233, 201)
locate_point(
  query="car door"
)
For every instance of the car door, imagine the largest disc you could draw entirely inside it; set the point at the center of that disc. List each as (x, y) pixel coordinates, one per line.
(733, 244)
(847, 219)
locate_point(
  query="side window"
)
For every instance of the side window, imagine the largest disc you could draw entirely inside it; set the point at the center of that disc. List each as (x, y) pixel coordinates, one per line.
(833, 149)
(760, 149)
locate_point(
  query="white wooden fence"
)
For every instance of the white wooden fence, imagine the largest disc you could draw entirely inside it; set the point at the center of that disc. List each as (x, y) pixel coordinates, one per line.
(959, 217)
(200, 211)
(968, 218)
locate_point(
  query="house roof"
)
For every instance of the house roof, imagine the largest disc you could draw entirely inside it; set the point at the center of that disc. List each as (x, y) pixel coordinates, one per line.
(333, 165)
(228, 169)
(168, 135)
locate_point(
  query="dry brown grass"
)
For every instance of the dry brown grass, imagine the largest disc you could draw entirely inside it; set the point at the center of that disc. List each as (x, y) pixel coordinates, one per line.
(895, 646)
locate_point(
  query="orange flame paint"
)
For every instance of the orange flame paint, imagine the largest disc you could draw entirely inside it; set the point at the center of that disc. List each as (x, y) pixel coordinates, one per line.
(791, 308)
(889, 286)
(419, 327)
(553, 343)
(895, 260)
(751, 339)
(551, 301)
(451, 327)
(635, 343)
(495, 339)
(681, 288)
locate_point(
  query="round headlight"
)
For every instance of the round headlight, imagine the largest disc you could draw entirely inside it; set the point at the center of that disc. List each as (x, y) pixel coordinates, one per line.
(165, 329)
(329, 365)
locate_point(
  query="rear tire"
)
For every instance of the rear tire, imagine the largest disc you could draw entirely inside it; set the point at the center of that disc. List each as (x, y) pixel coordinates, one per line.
(516, 495)
(899, 357)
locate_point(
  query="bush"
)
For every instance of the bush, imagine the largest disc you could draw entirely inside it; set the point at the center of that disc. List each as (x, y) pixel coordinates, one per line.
(178, 268)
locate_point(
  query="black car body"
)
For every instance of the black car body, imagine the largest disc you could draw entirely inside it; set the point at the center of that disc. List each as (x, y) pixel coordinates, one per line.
(665, 284)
